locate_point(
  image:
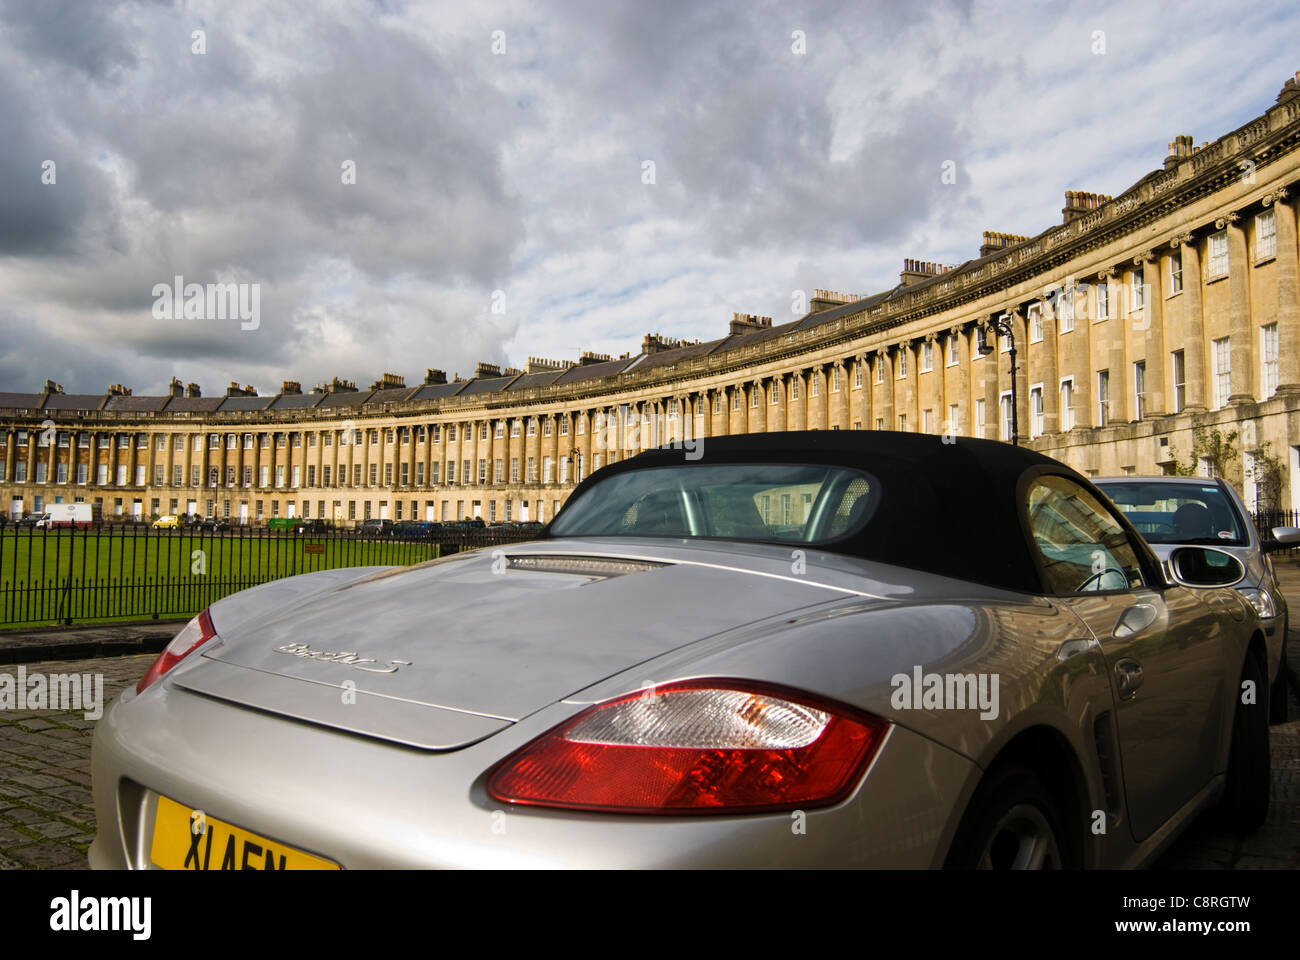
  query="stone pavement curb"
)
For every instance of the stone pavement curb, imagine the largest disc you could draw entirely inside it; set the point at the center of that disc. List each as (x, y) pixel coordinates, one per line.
(87, 642)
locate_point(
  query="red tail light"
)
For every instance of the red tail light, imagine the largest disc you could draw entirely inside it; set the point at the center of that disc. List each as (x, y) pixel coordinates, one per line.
(698, 746)
(192, 636)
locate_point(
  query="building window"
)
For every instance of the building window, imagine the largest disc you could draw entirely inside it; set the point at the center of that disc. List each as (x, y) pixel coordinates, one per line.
(953, 350)
(482, 470)
(880, 370)
(1008, 409)
(927, 356)
(1035, 324)
(1175, 272)
(564, 426)
(1036, 411)
(753, 400)
(773, 395)
(902, 421)
(1265, 236)
(1103, 397)
(1216, 265)
(1268, 353)
(546, 427)
(581, 420)
(857, 374)
(451, 433)
(530, 476)
(816, 388)
(1103, 300)
(532, 426)
(498, 470)
(1180, 381)
(514, 428)
(1140, 387)
(1004, 341)
(880, 423)
(1221, 361)
(794, 387)
(927, 421)
(1067, 403)
(735, 398)
(1065, 311)
(980, 416)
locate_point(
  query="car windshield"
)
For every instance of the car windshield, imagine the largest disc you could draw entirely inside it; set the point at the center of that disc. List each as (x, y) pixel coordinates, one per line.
(791, 503)
(1178, 512)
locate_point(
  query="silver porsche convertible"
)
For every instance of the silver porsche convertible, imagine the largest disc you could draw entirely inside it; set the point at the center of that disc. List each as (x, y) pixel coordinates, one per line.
(796, 650)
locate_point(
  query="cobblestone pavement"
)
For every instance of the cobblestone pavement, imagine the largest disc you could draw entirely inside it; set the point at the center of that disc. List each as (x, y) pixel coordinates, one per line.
(47, 818)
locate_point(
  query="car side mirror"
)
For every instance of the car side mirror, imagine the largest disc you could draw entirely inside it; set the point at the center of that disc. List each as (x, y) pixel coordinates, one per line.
(1204, 567)
(1283, 537)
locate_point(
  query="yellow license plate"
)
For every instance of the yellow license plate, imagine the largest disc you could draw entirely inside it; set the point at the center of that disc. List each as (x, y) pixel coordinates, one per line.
(187, 839)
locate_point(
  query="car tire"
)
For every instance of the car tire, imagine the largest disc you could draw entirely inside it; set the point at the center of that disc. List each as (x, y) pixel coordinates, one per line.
(1011, 823)
(1249, 781)
(1277, 694)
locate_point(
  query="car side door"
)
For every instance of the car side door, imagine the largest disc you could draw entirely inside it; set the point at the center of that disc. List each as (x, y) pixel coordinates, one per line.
(1164, 647)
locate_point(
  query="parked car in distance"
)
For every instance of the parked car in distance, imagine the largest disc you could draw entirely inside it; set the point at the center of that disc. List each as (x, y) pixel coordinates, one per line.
(1179, 511)
(211, 524)
(375, 528)
(284, 523)
(785, 630)
(316, 525)
(167, 522)
(415, 530)
(31, 520)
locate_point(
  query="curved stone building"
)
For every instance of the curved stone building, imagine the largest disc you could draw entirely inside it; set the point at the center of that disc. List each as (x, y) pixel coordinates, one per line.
(1172, 305)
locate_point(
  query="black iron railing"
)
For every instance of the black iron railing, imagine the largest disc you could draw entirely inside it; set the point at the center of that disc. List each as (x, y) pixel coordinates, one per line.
(1266, 520)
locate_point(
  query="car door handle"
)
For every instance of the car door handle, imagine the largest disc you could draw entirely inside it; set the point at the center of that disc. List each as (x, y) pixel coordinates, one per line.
(1134, 620)
(1128, 677)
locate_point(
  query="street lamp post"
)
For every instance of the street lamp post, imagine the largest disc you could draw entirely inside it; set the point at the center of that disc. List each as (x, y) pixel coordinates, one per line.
(1004, 328)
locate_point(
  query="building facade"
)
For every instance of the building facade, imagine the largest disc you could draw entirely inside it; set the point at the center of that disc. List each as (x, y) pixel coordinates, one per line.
(1143, 324)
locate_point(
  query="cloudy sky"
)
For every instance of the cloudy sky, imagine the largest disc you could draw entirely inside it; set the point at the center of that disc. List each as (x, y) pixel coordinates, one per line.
(499, 206)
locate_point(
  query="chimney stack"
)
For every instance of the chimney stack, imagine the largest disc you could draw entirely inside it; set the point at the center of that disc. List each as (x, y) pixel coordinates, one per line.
(432, 376)
(1079, 203)
(748, 323)
(192, 390)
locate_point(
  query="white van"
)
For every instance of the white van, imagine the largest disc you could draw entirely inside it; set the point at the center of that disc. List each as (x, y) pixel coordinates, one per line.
(66, 515)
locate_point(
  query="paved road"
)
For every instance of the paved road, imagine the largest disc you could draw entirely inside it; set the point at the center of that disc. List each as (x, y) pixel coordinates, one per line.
(47, 819)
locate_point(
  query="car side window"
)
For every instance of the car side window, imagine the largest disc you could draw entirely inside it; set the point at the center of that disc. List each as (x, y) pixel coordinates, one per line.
(1081, 546)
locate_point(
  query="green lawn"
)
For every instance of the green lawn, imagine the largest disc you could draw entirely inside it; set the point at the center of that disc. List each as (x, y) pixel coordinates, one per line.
(87, 576)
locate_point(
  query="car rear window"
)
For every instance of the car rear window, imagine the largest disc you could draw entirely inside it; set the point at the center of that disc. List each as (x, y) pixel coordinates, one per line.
(1178, 512)
(762, 502)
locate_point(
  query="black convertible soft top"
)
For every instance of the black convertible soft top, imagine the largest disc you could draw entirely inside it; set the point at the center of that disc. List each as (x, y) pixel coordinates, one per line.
(952, 508)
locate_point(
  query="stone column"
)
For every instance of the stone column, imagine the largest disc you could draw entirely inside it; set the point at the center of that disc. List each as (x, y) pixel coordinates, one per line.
(1048, 367)
(1153, 316)
(1116, 352)
(962, 388)
(1239, 326)
(1288, 291)
(992, 384)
